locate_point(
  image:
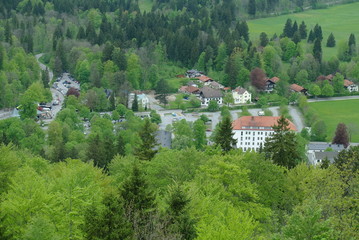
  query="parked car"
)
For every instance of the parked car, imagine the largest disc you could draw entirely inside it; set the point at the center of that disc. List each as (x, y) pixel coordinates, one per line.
(56, 102)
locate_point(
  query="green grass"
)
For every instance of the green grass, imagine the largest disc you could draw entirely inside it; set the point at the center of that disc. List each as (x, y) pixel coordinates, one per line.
(334, 112)
(145, 5)
(341, 20)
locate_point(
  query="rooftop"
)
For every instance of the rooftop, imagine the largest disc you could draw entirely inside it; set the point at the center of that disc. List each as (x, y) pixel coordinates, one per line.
(208, 92)
(322, 146)
(347, 83)
(239, 90)
(296, 87)
(258, 123)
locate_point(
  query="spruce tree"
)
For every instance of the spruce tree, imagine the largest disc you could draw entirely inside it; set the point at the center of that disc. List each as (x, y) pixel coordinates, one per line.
(287, 31)
(303, 30)
(295, 27)
(317, 50)
(352, 45)
(224, 136)
(311, 36)
(135, 104)
(318, 32)
(341, 135)
(263, 39)
(296, 37)
(45, 77)
(282, 146)
(252, 7)
(147, 134)
(243, 31)
(108, 223)
(8, 33)
(120, 145)
(331, 40)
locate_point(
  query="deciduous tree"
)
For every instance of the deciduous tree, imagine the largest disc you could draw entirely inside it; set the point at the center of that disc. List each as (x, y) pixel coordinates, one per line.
(341, 135)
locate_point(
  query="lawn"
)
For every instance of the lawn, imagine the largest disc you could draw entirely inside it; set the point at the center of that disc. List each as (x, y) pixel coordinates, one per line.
(341, 20)
(334, 112)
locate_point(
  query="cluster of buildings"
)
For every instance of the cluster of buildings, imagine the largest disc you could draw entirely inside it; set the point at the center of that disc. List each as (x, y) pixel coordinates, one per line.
(206, 89)
(348, 85)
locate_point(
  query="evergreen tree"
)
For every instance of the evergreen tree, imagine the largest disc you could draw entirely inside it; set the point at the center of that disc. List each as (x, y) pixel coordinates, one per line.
(139, 201)
(318, 32)
(352, 45)
(252, 7)
(243, 31)
(179, 217)
(95, 151)
(112, 101)
(147, 134)
(162, 90)
(120, 145)
(311, 37)
(8, 33)
(317, 50)
(224, 136)
(45, 78)
(296, 37)
(288, 29)
(303, 30)
(107, 52)
(295, 27)
(2, 56)
(281, 148)
(341, 135)
(263, 37)
(108, 223)
(135, 104)
(331, 40)
(81, 33)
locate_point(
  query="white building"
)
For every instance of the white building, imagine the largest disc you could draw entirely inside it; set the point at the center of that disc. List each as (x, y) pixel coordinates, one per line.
(241, 95)
(350, 86)
(251, 132)
(318, 151)
(142, 100)
(208, 94)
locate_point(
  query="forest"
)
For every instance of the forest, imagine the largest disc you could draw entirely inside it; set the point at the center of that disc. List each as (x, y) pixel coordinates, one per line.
(63, 181)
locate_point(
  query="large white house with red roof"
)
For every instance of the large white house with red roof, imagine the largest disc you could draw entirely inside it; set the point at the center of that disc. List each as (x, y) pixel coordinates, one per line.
(251, 132)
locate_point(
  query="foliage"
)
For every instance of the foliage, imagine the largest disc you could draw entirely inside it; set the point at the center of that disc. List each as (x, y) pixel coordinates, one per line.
(224, 136)
(281, 148)
(341, 135)
(146, 151)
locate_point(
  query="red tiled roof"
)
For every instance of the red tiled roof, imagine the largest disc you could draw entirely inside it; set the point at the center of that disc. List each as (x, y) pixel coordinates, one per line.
(192, 89)
(204, 78)
(275, 79)
(296, 88)
(258, 121)
(347, 83)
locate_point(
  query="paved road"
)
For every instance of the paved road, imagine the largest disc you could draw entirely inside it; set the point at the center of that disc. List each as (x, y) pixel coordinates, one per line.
(297, 118)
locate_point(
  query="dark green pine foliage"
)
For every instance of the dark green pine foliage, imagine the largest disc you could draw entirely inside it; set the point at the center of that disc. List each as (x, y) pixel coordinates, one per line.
(263, 37)
(311, 36)
(112, 101)
(317, 50)
(108, 223)
(139, 201)
(45, 78)
(120, 145)
(318, 32)
(96, 151)
(243, 31)
(303, 30)
(179, 218)
(8, 33)
(288, 28)
(352, 45)
(281, 148)
(162, 90)
(107, 52)
(252, 7)
(224, 137)
(2, 55)
(145, 150)
(81, 33)
(134, 106)
(331, 40)
(295, 27)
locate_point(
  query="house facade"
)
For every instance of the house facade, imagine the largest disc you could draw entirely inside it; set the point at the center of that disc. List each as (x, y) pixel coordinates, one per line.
(142, 100)
(270, 84)
(208, 94)
(251, 132)
(350, 86)
(241, 95)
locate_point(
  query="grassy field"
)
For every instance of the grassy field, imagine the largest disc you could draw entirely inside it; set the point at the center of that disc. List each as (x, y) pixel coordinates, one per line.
(341, 20)
(334, 112)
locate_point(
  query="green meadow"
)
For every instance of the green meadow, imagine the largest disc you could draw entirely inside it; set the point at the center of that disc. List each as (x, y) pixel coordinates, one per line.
(341, 20)
(334, 112)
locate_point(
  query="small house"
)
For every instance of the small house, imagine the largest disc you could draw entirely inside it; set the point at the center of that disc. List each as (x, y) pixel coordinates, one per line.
(208, 94)
(270, 84)
(299, 89)
(241, 95)
(350, 86)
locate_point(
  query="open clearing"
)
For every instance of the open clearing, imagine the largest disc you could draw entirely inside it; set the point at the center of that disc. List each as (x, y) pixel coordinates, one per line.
(334, 112)
(341, 20)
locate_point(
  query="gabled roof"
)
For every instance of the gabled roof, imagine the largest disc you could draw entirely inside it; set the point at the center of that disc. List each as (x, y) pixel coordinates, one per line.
(208, 92)
(297, 88)
(192, 89)
(215, 84)
(322, 146)
(204, 78)
(347, 83)
(275, 79)
(239, 90)
(256, 122)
